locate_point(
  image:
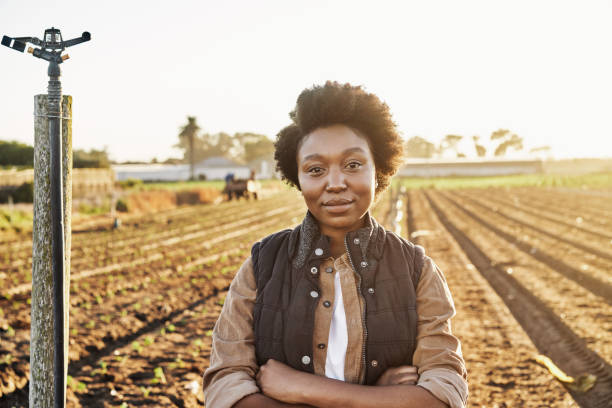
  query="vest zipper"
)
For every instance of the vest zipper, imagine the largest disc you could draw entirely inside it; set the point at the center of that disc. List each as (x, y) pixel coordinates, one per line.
(363, 314)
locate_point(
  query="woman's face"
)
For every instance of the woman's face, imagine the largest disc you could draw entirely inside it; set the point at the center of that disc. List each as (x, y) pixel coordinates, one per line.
(337, 177)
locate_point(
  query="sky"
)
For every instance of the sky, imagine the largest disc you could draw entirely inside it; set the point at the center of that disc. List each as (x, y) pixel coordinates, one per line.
(542, 69)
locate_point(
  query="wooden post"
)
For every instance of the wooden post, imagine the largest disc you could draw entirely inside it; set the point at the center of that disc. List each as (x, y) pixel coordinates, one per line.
(41, 340)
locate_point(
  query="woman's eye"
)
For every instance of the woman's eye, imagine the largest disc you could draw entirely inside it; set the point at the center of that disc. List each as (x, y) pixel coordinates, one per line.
(315, 170)
(353, 165)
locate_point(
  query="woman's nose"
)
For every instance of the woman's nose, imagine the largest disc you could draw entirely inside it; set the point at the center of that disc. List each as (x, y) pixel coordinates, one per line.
(335, 181)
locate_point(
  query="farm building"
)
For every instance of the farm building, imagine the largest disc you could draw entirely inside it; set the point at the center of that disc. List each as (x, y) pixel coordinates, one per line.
(469, 167)
(213, 168)
(151, 172)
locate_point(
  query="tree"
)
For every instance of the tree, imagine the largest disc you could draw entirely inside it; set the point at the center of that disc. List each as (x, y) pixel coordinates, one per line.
(480, 149)
(16, 154)
(187, 138)
(239, 147)
(418, 147)
(451, 142)
(506, 141)
(82, 159)
(257, 146)
(499, 134)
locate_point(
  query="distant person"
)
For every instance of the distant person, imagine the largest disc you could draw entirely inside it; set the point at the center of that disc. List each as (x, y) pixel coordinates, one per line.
(338, 311)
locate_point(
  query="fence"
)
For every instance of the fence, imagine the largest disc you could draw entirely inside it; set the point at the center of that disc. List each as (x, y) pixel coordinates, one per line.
(84, 181)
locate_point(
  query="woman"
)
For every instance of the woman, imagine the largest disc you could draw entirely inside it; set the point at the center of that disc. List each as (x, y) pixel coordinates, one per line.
(337, 312)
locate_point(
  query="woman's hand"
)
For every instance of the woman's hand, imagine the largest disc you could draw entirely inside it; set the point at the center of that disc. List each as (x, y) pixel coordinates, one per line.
(281, 382)
(399, 375)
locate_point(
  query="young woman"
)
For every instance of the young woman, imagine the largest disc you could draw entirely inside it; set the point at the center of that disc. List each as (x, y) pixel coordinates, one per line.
(338, 312)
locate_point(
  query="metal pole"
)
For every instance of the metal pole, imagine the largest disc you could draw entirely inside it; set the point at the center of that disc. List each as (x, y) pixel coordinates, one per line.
(49, 192)
(57, 230)
(42, 345)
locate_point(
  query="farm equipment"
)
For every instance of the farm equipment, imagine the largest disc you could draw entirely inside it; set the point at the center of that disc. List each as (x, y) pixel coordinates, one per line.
(237, 188)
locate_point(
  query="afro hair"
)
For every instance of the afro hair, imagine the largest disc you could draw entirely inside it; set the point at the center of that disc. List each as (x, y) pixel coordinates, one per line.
(332, 104)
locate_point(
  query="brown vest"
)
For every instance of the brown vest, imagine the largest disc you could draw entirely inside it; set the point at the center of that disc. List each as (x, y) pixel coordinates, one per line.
(389, 268)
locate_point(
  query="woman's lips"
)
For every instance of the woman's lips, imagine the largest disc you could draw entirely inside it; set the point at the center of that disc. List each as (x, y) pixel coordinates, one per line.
(337, 206)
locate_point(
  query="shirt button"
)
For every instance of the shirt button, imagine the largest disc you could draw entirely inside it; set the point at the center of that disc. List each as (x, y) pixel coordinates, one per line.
(318, 252)
(327, 303)
(371, 291)
(356, 241)
(374, 363)
(314, 294)
(329, 270)
(305, 360)
(364, 264)
(314, 270)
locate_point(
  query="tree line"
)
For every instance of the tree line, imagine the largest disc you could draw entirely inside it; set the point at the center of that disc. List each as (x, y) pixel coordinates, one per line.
(21, 155)
(241, 148)
(500, 143)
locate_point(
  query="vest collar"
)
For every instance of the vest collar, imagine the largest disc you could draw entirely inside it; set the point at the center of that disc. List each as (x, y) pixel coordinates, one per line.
(307, 237)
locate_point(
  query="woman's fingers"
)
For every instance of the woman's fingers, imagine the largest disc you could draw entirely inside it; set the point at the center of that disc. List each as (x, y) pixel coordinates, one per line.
(404, 369)
(399, 375)
(409, 379)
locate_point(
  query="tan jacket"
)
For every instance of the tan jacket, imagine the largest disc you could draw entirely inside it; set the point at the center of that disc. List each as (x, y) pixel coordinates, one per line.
(231, 375)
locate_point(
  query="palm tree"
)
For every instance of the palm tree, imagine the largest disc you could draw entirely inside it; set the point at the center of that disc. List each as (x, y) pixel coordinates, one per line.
(187, 136)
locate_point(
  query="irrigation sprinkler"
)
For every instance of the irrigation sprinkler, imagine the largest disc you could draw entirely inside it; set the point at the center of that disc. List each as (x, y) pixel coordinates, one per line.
(50, 49)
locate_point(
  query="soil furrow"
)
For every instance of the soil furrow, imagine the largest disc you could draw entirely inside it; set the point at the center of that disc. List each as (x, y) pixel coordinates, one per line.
(550, 335)
(547, 216)
(590, 283)
(554, 235)
(498, 354)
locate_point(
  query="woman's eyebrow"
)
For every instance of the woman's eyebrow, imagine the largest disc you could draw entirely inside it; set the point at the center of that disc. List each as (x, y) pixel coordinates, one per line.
(315, 156)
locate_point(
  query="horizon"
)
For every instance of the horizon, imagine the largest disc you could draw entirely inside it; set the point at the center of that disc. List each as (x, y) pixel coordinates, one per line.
(540, 69)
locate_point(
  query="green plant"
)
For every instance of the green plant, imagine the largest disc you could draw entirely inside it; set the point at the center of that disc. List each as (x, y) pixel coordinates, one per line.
(130, 183)
(158, 372)
(6, 359)
(122, 205)
(136, 347)
(177, 363)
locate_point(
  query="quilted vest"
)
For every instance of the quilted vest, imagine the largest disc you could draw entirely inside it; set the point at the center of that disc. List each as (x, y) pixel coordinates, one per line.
(286, 268)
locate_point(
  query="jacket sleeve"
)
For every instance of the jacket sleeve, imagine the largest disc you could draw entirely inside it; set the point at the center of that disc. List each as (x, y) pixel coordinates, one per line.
(233, 366)
(438, 355)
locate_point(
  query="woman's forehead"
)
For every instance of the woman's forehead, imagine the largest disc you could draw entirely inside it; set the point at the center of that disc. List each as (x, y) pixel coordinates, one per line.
(336, 140)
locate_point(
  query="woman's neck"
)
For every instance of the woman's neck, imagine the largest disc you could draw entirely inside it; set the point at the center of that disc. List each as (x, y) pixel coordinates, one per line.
(336, 237)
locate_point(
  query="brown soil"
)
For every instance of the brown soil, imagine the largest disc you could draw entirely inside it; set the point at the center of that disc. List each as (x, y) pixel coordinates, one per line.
(498, 354)
(144, 298)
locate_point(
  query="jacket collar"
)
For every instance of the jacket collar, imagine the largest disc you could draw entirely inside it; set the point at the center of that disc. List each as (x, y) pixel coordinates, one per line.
(307, 237)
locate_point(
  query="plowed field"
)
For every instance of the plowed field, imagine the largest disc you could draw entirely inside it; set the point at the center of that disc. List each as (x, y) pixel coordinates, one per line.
(530, 271)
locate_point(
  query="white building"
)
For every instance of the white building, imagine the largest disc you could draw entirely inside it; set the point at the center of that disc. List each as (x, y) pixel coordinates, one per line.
(213, 168)
(469, 167)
